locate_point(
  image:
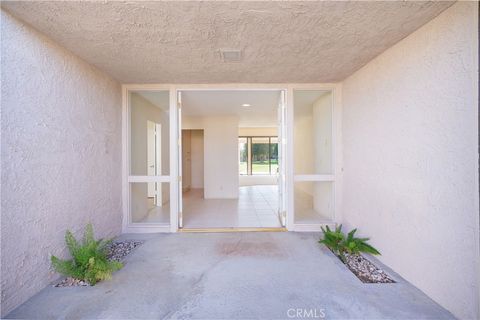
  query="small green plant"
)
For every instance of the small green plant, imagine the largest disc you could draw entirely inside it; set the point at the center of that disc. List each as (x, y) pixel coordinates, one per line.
(89, 258)
(340, 244)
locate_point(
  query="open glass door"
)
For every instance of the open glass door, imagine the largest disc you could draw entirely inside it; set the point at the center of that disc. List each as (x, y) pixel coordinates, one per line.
(179, 136)
(282, 201)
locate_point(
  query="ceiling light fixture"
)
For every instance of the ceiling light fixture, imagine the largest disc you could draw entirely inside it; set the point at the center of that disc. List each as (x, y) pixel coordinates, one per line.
(246, 105)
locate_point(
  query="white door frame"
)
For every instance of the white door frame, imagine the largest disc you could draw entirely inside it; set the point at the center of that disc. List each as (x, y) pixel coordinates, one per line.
(281, 157)
(173, 178)
(158, 163)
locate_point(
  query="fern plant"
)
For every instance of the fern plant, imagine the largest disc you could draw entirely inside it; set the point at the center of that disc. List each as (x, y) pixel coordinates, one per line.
(89, 258)
(340, 244)
(333, 239)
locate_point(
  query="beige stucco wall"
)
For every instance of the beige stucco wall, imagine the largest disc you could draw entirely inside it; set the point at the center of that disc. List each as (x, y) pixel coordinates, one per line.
(61, 156)
(410, 156)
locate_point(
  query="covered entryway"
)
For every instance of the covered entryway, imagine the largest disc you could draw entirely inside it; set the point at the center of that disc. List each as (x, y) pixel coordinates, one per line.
(229, 158)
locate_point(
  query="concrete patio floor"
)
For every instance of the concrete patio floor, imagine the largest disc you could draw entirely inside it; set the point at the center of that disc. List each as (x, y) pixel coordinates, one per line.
(232, 276)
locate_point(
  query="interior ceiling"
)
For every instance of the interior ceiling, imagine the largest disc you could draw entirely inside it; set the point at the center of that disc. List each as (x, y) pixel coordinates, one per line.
(179, 42)
(303, 99)
(157, 98)
(261, 113)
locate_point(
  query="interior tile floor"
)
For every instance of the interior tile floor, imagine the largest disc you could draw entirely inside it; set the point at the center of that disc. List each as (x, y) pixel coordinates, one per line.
(256, 207)
(305, 210)
(157, 214)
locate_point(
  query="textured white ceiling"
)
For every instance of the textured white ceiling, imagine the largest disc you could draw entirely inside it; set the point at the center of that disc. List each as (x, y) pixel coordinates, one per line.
(179, 42)
(261, 113)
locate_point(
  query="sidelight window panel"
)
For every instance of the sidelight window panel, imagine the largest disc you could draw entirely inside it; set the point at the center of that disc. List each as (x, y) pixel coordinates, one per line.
(313, 118)
(150, 202)
(149, 133)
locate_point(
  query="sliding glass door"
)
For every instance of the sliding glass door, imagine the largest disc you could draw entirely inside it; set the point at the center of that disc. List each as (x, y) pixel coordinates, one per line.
(258, 155)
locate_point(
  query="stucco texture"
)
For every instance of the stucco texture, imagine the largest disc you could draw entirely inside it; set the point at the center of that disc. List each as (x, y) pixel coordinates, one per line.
(410, 153)
(60, 156)
(180, 41)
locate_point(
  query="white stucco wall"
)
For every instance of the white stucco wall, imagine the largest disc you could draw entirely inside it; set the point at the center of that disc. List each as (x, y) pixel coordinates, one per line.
(61, 156)
(411, 158)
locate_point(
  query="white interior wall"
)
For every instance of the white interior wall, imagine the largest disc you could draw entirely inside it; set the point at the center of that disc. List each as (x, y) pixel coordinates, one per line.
(322, 192)
(256, 180)
(322, 110)
(313, 136)
(303, 142)
(61, 151)
(257, 131)
(220, 135)
(323, 199)
(411, 158)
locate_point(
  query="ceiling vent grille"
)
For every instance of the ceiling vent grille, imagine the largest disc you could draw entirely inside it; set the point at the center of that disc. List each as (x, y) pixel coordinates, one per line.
(231, 55)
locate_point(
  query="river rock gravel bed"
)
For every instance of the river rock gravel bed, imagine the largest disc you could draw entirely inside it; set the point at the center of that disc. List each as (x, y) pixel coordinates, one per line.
(72, 282)
(366, 271)
(116, 251)
(119, 249)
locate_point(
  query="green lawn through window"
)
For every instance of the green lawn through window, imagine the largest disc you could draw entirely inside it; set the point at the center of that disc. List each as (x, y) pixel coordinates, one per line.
(259, 167)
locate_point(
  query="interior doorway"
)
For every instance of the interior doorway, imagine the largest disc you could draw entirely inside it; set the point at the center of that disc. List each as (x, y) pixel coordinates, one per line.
(192, 161)
(231, 159)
